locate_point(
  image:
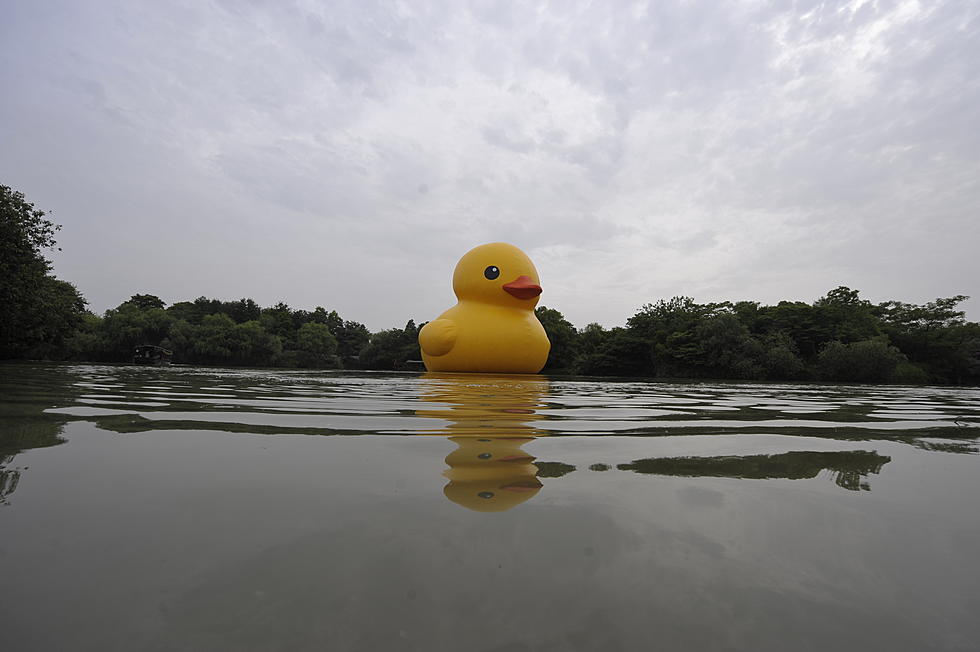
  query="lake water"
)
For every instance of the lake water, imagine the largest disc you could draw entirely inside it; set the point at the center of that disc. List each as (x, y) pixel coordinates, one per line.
(213, 509)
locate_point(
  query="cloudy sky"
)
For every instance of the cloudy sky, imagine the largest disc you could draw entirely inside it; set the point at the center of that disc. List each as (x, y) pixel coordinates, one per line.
(346, 154)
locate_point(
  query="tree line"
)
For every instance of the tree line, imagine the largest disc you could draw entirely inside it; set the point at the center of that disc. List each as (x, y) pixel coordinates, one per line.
(839, 337)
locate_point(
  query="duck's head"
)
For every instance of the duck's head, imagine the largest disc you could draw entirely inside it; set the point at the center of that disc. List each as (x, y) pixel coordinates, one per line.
(497, 273)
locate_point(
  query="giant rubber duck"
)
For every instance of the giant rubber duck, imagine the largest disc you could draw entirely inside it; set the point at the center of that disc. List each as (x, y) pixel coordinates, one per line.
(492, 328)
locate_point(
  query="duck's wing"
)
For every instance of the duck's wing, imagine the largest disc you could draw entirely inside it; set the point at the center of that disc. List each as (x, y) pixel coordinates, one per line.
(438, 337)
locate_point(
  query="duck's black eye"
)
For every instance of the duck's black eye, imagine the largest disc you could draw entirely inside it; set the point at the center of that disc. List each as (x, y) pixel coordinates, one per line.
(484, 456)
(485, 494)
(491, 272)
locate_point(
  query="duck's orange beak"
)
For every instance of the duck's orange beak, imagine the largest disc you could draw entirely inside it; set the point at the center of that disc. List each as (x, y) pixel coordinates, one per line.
(523, 288)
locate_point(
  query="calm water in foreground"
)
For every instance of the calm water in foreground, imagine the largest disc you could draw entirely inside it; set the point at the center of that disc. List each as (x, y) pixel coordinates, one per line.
(210, 509)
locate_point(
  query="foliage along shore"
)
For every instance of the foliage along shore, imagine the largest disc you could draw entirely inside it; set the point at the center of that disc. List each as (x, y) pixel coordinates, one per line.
(839, 337)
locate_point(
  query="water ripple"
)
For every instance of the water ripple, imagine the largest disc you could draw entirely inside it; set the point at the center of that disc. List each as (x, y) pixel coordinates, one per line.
(130, 399)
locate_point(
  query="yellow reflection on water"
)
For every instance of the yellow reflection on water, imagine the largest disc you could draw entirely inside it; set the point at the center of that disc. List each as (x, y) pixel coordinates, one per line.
(489, 418)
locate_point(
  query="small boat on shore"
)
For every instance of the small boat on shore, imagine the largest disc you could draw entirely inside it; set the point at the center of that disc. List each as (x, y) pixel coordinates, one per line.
(149, 354)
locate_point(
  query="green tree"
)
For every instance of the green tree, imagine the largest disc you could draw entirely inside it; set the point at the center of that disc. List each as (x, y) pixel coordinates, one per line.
(749, 314)
(727, 350)
(671, 329)
(85, 342)
(780, 358)
(217, 340)
(257, 347)
(563, 337)
(935, 337)
(50, 320)
(390, 349)
(798, 320)
(967, 368)
(351, 336)
(146, 301)
(278, 320)
(321, 316)
(317, 347)
(621, 354)
(591, 338)
(242, 311)
(845, 317)
(180, 339)
(127, 326)
(185, 311)
(37, 312)
(868, 361)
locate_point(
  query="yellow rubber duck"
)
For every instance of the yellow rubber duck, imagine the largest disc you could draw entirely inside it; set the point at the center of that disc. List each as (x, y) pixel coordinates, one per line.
(492, 328)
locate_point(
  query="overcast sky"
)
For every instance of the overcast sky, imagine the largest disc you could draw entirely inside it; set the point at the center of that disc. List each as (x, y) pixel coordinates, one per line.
(347, 154)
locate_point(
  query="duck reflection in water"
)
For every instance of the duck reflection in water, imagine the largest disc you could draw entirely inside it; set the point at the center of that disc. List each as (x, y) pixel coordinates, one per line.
(490, 474)
(490, 417)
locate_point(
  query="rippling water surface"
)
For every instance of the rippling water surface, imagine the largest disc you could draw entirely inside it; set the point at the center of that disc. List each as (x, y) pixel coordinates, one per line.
(212, 509)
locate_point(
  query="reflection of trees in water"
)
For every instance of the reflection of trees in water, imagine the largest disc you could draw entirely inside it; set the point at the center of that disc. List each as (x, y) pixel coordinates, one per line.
(553, 469)
(847, 468)
(20, 434)
(27, 392)
(963, 447)
(9, 478)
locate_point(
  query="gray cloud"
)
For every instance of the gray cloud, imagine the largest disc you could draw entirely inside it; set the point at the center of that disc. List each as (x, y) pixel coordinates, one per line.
(635, 150)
